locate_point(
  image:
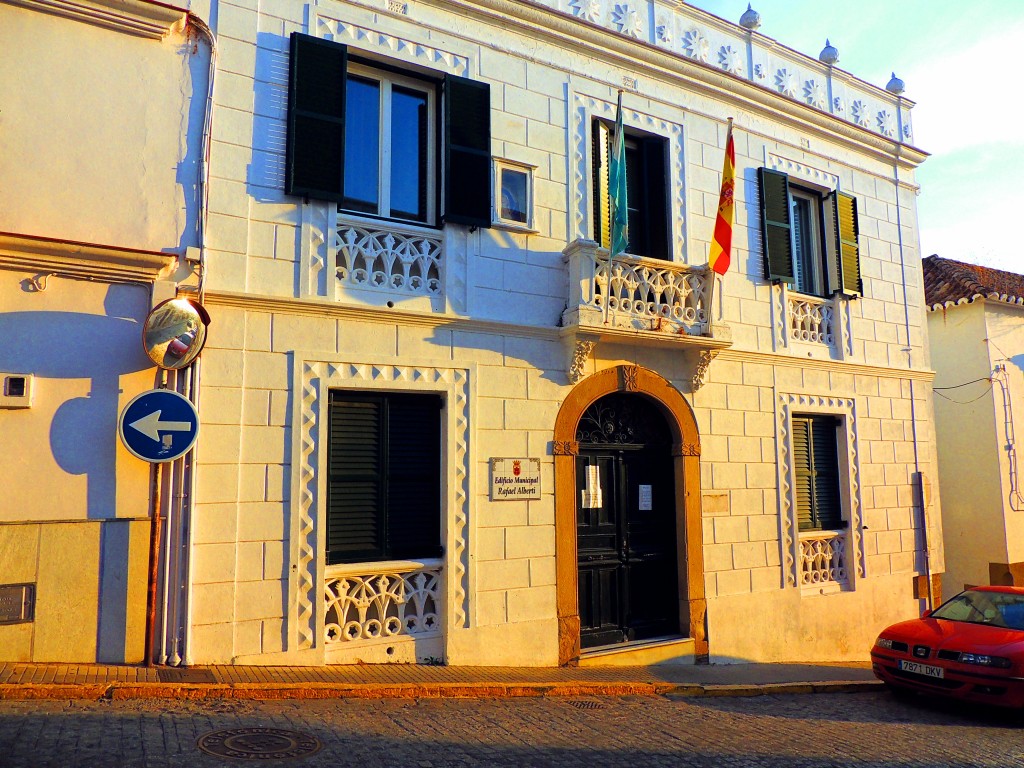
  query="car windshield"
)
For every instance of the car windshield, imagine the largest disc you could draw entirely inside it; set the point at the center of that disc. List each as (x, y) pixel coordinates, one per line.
(998, 609)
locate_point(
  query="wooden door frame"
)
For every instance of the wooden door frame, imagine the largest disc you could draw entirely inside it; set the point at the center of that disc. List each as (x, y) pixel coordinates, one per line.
(686, 471)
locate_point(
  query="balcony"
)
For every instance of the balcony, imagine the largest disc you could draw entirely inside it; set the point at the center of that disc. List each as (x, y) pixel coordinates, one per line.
(639, 300)
(811, 319)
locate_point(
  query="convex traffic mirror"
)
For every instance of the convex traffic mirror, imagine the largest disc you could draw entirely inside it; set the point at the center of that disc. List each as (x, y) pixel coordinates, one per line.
(175, 332)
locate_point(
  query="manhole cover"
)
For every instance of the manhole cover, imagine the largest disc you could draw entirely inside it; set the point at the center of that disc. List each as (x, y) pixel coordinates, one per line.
(587, 704)
(259, 744)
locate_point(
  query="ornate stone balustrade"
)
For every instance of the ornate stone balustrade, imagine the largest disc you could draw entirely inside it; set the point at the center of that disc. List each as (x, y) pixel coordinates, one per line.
(389, 259)
(822, 558)
(812, 320)
(723, 46)
(374, 601)
(636, 294)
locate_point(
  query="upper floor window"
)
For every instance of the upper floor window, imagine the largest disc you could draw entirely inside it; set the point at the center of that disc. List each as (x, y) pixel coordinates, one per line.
(389, 164)
(646, 191)
(384, 142)
(810, 238)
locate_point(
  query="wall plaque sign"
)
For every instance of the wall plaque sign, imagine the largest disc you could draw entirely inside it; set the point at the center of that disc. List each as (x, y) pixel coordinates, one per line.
(515, 479)
(17, 603)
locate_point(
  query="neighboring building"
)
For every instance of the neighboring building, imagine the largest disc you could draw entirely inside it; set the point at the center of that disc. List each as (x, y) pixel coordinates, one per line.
(976, 326)
(96, 204)
(408, 277)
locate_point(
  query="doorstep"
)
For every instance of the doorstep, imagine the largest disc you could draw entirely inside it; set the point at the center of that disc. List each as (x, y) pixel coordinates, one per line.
(643, 653)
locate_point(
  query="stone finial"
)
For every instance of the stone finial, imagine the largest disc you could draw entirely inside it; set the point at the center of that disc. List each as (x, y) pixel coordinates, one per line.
(750, 19)
(829, 54)
(895, 85)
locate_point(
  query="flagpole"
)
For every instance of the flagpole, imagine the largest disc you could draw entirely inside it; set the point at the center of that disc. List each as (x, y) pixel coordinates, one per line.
(618, 207)
(719, 254)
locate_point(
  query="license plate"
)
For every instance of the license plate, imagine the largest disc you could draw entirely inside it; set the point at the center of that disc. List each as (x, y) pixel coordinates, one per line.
(922, 669)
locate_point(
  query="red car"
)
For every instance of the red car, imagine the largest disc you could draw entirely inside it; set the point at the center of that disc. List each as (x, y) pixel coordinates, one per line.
(970, 648)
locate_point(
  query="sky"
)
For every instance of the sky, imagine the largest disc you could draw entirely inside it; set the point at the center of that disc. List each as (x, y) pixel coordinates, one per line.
(960, 62)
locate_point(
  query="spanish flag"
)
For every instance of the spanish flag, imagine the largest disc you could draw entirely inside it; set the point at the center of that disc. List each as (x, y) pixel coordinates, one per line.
(721, 245)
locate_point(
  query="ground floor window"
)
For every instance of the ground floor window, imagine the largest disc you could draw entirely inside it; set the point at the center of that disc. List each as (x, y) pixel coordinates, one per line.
(384, 476)
(816, 465)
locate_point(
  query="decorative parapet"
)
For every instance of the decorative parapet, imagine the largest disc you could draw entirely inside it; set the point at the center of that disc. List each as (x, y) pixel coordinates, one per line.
(811, 319)
(823, 559)
(636, 294)
(389, 259)
(712, 42)
(375, 601)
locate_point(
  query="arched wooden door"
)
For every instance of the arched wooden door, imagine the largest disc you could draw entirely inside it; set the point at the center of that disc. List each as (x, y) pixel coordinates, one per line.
(625, 523)
(683, 457)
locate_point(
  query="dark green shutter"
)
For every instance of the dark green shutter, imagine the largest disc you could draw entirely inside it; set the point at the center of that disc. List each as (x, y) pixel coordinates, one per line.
(847, 248)
(775, 225)
(384, 477)
(827, 505)
(355, 495)
(413, 481)
(804, 488)
(467, 166)
(816, 473)
(315, 148)
(601, 141)
(654, 204)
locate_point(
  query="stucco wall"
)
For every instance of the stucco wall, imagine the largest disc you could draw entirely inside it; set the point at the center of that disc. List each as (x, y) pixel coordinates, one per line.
(94, 125)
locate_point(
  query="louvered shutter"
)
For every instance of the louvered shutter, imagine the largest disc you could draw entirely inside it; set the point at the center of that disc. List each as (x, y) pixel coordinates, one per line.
(804, 478)
(775, 225)
(467, 168)
(315, 147)
(825, 465)
(413, 481)
(355, 497)
(600, 147)
(847, 248)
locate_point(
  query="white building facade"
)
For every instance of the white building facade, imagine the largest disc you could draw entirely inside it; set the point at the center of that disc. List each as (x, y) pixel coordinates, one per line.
(413, 308)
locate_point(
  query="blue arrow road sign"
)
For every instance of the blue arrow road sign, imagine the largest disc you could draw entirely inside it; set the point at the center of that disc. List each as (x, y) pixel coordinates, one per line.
(158, 426)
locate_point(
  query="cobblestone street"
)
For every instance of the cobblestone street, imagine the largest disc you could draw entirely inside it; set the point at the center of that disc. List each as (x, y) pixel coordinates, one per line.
(810, 731)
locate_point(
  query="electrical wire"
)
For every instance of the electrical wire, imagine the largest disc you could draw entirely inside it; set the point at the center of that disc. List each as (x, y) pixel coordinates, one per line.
(966, 383)
(964, 402)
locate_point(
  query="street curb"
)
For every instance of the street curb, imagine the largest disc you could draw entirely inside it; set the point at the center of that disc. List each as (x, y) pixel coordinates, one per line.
(280, 691)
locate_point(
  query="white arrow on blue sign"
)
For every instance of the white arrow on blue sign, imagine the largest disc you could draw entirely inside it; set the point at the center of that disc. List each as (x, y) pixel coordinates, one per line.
(159, 425)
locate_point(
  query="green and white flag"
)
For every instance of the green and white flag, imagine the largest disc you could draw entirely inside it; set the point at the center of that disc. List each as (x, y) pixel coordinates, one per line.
(617, 184)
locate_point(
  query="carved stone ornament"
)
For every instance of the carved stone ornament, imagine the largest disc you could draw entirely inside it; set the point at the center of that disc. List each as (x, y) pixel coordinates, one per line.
(629, 378)
(700, 376)
(565, 448)
(580, 354)
(688, 449)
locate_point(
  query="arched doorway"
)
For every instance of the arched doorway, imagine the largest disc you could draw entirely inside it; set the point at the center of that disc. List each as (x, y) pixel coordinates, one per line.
(625, 523)
(675, 438)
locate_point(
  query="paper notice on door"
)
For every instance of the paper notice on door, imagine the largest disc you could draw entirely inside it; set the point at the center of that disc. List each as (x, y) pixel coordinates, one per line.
(646, 504)
(591, 494)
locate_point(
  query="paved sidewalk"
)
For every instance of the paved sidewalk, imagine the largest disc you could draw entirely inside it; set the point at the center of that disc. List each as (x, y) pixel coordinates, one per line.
(95, 681)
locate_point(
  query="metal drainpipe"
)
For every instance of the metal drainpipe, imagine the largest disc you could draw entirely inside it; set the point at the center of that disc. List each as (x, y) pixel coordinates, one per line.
(188, 517)
(910, 357)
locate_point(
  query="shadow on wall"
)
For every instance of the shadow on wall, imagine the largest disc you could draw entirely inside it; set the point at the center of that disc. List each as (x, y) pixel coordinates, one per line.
(83, 432)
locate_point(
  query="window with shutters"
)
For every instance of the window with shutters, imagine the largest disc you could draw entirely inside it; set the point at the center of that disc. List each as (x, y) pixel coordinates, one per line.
(816, 472)
(384, 477)
(647, 185)
(810, 237)
(386, 142)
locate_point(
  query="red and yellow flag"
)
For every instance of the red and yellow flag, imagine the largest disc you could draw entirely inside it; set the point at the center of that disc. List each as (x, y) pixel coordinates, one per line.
(721, 244)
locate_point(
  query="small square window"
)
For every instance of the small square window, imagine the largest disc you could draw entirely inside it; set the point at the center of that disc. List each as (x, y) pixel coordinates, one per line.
(513, 205)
